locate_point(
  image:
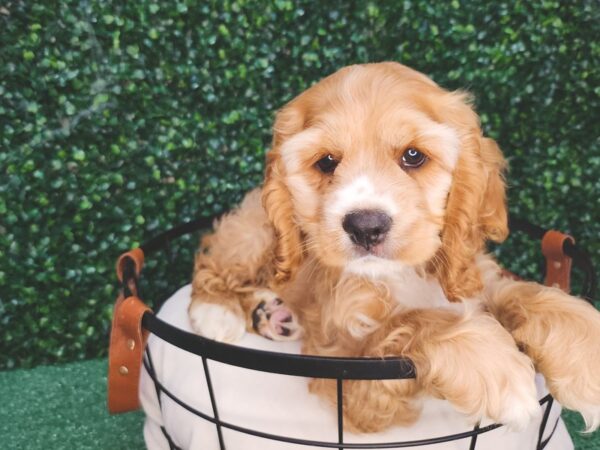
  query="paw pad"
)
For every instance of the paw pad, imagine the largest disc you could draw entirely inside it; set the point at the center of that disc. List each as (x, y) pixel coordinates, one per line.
(273, 320)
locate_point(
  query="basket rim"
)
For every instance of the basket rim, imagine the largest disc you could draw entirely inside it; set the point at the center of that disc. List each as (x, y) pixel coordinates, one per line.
(312, 366)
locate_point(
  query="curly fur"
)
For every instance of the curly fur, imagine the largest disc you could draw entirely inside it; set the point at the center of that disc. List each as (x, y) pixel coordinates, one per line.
(428, 292)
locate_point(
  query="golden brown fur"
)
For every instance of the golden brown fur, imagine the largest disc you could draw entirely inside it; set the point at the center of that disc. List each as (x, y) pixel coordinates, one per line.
(356, 303)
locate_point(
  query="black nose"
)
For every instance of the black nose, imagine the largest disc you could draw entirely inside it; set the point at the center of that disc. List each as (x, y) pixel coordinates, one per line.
(367, 227)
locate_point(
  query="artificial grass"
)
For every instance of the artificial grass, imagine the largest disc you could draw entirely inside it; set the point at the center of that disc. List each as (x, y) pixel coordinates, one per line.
(575, 425)
(64, 407)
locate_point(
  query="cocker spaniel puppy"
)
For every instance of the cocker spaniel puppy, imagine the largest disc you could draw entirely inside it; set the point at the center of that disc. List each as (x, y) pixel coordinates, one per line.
(368, 238)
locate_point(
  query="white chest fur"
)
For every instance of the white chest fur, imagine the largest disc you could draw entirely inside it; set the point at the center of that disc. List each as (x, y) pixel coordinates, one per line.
(412, 290)
(408, 288)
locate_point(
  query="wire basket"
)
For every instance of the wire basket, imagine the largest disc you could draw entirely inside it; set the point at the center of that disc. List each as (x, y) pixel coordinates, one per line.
(339, 369)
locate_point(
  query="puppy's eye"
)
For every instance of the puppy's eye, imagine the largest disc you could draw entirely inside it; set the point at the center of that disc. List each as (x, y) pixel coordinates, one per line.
(327, 164)
(413, 158)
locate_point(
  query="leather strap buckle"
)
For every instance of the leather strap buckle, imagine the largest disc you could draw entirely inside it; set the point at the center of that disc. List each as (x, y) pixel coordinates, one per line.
(129, 267)
(558, 264)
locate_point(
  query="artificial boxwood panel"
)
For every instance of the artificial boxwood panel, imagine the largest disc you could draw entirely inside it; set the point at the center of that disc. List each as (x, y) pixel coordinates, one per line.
(121, 119)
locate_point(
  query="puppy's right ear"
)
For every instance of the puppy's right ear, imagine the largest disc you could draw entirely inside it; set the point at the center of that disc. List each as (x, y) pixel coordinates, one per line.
(277, 199)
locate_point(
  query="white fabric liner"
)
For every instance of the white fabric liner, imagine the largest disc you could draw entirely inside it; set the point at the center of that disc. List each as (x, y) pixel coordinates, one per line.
(282, 405)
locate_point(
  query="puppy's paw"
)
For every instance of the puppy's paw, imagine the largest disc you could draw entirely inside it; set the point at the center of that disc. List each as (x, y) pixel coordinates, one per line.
(273, 320)
(508, 394)
(216, 322)
(579, 389)
(519, 405)
(483, 374)
(573, 378)
(511, 391)
(566, 353)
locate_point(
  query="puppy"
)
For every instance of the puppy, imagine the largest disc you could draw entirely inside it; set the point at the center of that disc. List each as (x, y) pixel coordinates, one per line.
(368, 239)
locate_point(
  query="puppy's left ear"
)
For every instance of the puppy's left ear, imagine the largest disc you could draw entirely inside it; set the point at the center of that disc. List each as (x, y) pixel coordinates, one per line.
(493, 214)
(476, 208)
(277, 199)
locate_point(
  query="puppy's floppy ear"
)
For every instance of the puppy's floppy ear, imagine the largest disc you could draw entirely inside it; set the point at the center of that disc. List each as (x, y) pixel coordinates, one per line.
(476, 207)
(277, 199)
(493, 213)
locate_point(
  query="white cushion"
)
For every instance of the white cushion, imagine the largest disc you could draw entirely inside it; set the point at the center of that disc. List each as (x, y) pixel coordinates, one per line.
(282, 405)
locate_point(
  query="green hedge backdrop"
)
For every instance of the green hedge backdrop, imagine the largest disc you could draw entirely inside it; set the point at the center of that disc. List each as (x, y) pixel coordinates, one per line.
(120, 119)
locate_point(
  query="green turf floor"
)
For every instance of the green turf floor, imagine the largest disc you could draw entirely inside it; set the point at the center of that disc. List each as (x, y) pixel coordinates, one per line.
(64, 407)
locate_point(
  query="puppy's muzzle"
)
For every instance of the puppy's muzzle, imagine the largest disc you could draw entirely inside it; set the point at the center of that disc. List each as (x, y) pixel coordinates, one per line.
(367, 227)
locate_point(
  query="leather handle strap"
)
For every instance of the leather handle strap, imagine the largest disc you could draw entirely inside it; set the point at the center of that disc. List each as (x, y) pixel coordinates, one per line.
(136, 256)
(127, 343)
(558, 264)
(133, 259)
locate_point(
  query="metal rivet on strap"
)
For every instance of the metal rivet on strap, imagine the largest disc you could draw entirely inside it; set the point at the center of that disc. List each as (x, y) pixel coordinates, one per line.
(557, 264)
(130, 344)
(123, 370)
